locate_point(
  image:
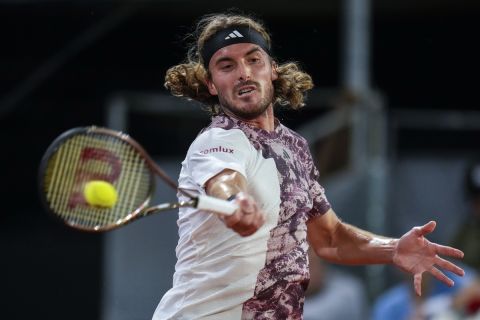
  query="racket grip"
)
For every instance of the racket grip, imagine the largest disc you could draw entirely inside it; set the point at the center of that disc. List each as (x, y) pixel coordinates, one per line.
(216, 205)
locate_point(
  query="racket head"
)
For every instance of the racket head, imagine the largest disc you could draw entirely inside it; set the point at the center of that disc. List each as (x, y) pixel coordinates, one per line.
(91, 153)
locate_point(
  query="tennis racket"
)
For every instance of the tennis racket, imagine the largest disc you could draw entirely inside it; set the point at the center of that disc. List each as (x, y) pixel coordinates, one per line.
(92, 153)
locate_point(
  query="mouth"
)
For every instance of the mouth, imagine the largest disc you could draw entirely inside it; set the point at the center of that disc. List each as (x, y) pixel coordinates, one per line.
(246, 90)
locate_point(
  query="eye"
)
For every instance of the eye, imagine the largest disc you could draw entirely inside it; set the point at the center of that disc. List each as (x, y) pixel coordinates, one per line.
(225, 66)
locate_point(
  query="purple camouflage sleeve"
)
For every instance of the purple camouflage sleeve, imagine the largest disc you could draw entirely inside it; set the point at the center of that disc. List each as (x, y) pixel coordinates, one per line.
(317, 192)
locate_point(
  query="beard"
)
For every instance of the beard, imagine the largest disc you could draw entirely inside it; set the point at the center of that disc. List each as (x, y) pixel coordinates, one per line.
(252, 112)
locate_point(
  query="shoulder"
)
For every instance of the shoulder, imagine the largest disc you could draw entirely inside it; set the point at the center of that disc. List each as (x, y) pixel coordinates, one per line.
(219, 140)
(214, 150)
(297, 143)
(211, 135)
(289, 133)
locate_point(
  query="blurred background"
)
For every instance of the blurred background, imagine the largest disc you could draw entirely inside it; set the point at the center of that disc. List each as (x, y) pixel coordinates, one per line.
(393, 123)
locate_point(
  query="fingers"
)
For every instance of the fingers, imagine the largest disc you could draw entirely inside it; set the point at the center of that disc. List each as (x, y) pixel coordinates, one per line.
(417, 283)
(441, 276)
(247, 205)
(449, 266)
(247, 219)
(448, 251)
(244, 224)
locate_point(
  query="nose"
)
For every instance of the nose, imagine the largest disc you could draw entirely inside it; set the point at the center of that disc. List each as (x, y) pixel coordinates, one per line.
(244, 72)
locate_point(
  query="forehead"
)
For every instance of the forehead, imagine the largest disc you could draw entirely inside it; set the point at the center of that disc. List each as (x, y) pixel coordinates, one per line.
(237, 50)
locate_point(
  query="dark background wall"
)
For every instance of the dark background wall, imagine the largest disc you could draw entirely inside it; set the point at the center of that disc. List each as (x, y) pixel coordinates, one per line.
(60, 61)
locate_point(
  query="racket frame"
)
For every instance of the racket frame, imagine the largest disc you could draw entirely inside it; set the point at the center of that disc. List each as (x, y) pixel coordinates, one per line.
(57, 143)
(202, 202)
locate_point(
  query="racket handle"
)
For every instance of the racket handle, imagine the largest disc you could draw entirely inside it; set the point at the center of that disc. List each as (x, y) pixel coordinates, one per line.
(216, 205)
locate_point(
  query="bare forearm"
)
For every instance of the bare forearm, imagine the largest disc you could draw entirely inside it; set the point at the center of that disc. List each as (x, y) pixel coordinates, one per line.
(357, 246)
(226, 184)
(248, 218)
(340, 242)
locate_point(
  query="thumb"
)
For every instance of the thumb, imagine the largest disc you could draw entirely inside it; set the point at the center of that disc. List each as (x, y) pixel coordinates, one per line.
(427, 228)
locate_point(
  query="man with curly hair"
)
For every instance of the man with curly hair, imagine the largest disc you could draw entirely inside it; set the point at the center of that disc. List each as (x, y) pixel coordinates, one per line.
(253, 264)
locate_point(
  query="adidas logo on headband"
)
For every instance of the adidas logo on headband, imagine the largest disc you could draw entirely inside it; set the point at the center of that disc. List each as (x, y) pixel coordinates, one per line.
(234, 34)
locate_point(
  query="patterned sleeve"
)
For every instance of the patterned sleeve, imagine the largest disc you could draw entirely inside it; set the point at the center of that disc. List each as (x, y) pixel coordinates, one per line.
(317, 192)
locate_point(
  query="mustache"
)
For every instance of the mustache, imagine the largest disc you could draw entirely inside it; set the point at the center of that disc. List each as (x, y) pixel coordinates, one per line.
(246, 83)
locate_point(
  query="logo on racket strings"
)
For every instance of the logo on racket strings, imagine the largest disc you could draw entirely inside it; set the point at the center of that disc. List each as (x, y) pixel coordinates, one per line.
(94, 164)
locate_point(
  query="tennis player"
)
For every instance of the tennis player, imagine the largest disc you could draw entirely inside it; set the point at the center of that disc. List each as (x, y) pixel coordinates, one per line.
(253, 264)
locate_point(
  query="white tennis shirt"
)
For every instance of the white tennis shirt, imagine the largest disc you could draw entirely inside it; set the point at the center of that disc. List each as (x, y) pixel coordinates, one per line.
(221, 275)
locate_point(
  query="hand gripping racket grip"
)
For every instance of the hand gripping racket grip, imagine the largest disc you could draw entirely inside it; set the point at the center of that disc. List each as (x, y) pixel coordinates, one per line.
(216, 205)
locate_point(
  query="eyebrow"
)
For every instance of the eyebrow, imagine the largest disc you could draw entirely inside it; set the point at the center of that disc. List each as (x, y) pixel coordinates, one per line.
(227, 58)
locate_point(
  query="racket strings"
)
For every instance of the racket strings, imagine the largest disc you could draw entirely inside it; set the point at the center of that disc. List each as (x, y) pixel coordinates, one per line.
(132, 186)
(81, 213)
(62, 179)
(63, 193)
(110, 158)
(92, 169)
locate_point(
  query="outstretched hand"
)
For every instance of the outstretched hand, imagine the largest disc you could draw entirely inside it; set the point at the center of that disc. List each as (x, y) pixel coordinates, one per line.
(416, 255)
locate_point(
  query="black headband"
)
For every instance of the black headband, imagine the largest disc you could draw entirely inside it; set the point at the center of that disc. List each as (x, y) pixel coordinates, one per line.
(231, 35)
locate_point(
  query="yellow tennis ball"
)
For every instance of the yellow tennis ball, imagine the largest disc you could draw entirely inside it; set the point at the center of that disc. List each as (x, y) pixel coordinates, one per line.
(100, 193)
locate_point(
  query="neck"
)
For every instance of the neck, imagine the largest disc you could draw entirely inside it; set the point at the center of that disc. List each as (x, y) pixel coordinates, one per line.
(265, 121)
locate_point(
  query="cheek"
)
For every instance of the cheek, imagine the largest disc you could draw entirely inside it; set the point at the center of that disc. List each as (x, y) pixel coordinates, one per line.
(267, 80)
(219, 85)
(267, 75)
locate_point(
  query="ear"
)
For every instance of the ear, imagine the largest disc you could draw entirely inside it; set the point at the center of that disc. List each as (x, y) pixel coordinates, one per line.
(211, 87)
(274, 71)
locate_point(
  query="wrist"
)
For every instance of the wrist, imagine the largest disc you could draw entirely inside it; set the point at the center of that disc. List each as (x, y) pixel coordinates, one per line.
(394, 245)
(384, 250)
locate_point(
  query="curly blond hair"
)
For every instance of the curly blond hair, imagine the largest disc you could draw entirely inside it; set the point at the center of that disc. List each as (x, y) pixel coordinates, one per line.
(188, 79)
